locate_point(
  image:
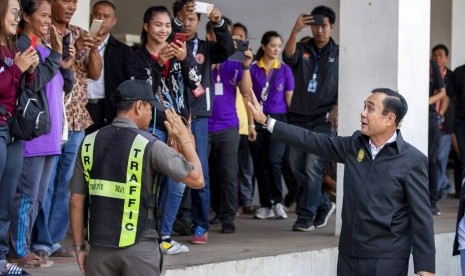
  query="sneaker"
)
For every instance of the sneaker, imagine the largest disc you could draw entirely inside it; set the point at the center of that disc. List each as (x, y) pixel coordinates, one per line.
(214, 220)
(171, 247)
(200, 235)
(183, 227)
(436, 211)
(289, 199)
(228, 228)
(264, 213)
(280, 211)
(322, 216)
(248, 210)
(302, 227)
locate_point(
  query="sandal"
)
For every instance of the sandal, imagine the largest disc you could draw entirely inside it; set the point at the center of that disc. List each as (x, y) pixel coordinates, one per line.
(12, 269)
(31, 260)
(63, 253)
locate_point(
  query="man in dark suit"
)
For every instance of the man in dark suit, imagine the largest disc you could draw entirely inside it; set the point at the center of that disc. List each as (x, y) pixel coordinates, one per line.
(115, 55)
(386, 212)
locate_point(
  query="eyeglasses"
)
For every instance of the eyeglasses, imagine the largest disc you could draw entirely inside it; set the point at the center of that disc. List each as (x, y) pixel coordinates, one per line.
(17, 14)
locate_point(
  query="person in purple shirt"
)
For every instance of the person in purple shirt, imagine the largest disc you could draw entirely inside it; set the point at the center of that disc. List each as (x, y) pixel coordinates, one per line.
(223, 135)
(273, 84)
(51, 79)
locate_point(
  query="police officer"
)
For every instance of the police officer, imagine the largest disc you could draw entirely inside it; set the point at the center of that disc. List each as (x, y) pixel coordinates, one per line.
(117, 168)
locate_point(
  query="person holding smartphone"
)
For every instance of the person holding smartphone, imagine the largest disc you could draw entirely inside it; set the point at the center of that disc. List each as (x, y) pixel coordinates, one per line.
(314, 106)
(171, 69)
(115, 56)
(13, 65)
(39, 153)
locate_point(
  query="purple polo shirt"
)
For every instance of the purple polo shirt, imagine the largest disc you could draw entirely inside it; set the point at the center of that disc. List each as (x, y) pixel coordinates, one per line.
(49, 143)
(224, 114)
(281, 80)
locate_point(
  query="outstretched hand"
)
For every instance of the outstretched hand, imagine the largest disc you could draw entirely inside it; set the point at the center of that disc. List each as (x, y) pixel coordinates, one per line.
(256, 109)
(175, 126)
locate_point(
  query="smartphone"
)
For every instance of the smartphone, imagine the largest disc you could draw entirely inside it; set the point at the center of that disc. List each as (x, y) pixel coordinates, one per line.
(33, 41)
(180, 37)
(241, 47)
(95, 27)
(202, 7)
(67, 40)
(317, 19)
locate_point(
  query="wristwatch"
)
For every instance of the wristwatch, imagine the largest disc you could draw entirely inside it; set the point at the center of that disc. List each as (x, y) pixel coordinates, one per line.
(81, 247)
(267, 121)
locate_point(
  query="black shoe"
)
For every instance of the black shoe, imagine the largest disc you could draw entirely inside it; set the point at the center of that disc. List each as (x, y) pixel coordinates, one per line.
(183, 227)
(436, 211)
(214, 220)
(228, 228)
(323, 215)
(289, 199)
(300, 226)
(248, 210)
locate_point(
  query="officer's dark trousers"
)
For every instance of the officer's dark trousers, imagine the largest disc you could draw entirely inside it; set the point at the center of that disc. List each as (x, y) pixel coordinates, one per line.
(352, 266)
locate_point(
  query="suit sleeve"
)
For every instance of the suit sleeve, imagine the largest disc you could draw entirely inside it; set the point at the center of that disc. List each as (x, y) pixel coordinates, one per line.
(421, 218)
(331, 148)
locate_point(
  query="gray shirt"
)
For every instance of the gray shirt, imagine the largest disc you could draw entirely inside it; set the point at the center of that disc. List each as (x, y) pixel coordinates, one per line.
(163, 159)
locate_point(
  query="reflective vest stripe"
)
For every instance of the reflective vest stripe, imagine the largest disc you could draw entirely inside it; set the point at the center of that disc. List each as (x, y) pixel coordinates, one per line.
(133, 191)
(87, 153)
(100, 187)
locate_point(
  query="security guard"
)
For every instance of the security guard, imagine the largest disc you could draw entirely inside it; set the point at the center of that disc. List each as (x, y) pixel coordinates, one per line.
(117, 168)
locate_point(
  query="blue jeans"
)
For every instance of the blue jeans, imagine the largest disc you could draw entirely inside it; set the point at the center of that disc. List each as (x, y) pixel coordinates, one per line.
(223, 160)
(170, 197)
(52, 224)
(28, 200)
(201, 197)
(443, 157)
(308, 172)
(11, 164)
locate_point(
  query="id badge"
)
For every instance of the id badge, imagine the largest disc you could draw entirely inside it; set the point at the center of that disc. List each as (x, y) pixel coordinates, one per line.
(219, 89)
(312, 86)
(199, 91)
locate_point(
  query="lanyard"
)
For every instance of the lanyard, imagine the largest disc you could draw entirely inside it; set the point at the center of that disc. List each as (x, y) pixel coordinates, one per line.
(218, 77)
(195, 47)
(315, 69)
(266, 88)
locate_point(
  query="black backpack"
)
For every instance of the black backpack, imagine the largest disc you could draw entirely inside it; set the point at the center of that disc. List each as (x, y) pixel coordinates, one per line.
(31, 118)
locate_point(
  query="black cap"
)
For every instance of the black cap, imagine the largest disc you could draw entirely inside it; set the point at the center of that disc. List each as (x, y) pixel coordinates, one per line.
(134, 90)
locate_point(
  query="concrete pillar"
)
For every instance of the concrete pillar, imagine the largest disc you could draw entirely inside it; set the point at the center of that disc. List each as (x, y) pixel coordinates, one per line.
(81, 16)
(383, 44)
(457, 56)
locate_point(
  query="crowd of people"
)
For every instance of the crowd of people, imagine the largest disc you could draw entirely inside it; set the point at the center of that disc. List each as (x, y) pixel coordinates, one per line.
(206, 116)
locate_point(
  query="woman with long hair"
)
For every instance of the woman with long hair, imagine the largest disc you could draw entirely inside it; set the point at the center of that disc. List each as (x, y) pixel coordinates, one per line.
(51, 80)
(13, 65)
(273, 85)
(170, 67)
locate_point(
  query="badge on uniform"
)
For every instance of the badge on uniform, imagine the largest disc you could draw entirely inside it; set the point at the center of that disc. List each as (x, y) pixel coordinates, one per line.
(312, 84)
(219, 89)
(361, 155)
(199, 91)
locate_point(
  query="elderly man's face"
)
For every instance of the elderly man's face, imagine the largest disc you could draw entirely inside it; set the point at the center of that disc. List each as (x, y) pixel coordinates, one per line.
(373, 121)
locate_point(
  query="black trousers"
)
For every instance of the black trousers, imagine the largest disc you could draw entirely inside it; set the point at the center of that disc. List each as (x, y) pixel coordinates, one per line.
(353, 266)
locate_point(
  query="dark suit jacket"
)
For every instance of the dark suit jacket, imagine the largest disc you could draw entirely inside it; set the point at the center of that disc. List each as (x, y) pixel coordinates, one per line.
(115, 60)
(460, 214)
(386, 210)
